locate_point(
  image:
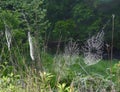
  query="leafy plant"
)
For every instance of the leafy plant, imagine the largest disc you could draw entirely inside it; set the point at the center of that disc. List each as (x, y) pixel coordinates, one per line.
(116, 71)
(92, 82)
(62, 88)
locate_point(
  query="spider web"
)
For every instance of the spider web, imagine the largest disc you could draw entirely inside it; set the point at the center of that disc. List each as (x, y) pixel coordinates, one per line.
(92, 49)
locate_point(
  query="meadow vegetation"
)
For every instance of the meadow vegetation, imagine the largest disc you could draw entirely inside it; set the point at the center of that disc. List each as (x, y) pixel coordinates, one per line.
(30, 60)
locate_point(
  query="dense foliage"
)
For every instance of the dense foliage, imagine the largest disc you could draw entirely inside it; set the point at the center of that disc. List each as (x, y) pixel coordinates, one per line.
(87, 17)
(53, 23)
(68, 18)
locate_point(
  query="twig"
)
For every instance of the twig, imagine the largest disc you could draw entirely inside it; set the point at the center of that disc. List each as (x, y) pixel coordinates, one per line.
(112, 40)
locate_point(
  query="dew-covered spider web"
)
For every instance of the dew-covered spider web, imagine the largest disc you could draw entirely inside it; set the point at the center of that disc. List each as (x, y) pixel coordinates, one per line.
(8, 36)
(92, 49)
(71, 52)
(31, 46)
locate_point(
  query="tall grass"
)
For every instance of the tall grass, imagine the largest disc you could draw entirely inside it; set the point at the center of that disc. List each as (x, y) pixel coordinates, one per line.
(63, 72)
(68, 75)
